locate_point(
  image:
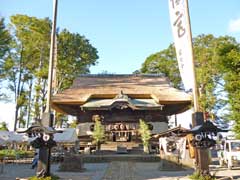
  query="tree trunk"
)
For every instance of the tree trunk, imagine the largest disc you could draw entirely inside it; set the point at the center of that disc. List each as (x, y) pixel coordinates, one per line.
(17, 92)
(16, 117)
(38, 90)
(29, 102)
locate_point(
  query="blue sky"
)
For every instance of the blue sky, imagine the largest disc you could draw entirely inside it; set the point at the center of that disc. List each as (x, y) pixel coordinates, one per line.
(125, 32)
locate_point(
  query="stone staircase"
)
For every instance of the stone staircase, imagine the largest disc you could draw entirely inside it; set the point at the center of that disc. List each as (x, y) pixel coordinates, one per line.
(131, 147)
(120, 151)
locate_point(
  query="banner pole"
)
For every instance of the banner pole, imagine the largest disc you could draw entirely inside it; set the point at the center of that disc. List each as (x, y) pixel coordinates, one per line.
(202, 156)
(195, 89)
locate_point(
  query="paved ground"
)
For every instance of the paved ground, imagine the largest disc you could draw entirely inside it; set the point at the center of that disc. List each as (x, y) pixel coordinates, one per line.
(224, 171)
(93, 172)
(113, 171)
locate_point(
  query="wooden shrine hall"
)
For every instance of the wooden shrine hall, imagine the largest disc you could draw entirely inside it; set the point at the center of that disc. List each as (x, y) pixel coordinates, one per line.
(121, 100)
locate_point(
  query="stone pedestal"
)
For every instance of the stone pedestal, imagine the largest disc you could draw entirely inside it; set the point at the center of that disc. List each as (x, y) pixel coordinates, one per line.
(72, 163)
(43, 168)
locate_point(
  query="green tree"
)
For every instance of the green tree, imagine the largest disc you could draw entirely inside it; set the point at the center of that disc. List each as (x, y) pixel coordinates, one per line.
(208, 51)
(208, 75)
(145, 134)
(98, 132)
(75, 56)
(3, 126)
(28, 51)
(5, 40)
(25, 67)
(164, 63)
(229, 62)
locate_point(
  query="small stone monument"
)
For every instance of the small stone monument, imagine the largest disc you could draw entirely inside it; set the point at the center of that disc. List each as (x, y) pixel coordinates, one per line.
(72, 163)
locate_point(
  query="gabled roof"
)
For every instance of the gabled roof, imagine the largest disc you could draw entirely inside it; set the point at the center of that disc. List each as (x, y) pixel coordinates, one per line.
(177, 131)
(121, 101)
(206, 127)
(106, 87)
(11, 137)
(69, 135)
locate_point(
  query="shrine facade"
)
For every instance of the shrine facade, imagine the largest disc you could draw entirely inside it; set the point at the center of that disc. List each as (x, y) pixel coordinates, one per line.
(120, 101)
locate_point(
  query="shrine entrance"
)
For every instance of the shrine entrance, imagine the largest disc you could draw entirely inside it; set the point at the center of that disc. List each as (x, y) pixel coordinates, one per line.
(122, 132)
(121, 101)
(121, 136)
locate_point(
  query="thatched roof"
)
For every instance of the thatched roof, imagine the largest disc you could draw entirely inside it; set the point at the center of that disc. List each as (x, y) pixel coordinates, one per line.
(88, 87)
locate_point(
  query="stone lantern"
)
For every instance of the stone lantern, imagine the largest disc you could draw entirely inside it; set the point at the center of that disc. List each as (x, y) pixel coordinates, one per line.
(44, 142)
(203, 135)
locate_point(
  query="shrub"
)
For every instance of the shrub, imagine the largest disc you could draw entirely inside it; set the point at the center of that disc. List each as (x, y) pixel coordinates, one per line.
(145, 134)
(12, 154)
(98, 132)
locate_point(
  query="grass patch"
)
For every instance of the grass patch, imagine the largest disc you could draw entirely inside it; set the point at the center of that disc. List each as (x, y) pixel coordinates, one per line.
(198, 176)
(53, 177)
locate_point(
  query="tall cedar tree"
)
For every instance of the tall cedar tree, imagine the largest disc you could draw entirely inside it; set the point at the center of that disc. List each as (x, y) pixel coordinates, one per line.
(5, 40)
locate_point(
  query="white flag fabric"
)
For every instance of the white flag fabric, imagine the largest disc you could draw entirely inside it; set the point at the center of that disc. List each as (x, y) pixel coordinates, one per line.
(182, 39)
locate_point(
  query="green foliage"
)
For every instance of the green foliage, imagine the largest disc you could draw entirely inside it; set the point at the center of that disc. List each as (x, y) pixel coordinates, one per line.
(98, 132)
(29, 47)
(73, 124)
(10, 153)
(25, 67)
(198, 176)
(230, 66)
(145, 132)
(52, 177)
(164, 62)
(5, 39)
(61, 119)
(217, 65)
(3, 126)
(75, 56)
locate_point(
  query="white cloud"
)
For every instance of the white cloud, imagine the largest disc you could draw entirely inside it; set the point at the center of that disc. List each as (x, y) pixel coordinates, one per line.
(234, 25)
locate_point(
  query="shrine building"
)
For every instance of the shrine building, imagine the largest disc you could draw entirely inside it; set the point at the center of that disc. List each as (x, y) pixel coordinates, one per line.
(120, 101)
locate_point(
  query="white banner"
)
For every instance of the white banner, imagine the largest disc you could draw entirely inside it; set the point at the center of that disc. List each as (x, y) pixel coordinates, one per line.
(182, 38)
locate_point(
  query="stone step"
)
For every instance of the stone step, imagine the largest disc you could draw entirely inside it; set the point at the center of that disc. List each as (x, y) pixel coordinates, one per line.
(121, 157)
(113, 145)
